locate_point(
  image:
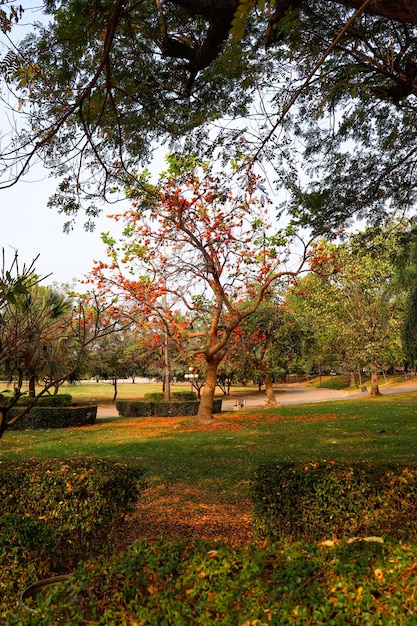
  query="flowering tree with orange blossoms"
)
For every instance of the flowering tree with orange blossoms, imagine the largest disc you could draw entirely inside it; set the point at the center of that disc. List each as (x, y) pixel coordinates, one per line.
(198, 255)
(267, 344)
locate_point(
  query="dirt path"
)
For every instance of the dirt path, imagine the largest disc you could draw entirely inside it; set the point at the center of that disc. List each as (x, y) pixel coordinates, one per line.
(184, 512)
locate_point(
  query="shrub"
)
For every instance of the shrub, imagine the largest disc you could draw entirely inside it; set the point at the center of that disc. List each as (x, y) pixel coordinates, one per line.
(55, 417)
(175, 583)
(184, 395)
(154, 396)
(77, 504)
(135, 408)
(60, 399)
(138, 408)
(324, 499)
(176, 408)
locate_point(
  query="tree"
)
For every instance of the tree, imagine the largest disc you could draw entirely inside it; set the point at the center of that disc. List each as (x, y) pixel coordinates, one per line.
(34, 335)
(110, 362)
(355, 299)
(101, 86)
(404, 258)
(267, 342)
(38, 348)
(121, 355)
(205, 247)
(15, 281)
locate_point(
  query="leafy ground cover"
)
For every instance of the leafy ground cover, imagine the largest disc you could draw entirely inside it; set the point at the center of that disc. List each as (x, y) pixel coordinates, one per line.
(170, 583)
(198, 477)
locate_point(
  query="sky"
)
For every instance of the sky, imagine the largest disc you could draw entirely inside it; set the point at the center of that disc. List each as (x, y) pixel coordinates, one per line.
(29, 227)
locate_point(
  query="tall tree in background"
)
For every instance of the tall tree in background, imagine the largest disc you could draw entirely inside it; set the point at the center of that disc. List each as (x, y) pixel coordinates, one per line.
(204, 245)
(404, 258)
(34, 342)
(356, 299)
(34, 335)
(266, 344)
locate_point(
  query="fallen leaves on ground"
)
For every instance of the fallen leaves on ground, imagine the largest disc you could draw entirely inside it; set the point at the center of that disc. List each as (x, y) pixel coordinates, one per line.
(185, 512)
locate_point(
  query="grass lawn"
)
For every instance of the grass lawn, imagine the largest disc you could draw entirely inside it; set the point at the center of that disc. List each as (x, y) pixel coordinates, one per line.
(222, 456)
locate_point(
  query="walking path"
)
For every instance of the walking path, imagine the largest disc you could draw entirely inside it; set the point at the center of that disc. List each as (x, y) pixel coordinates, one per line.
(291, 394)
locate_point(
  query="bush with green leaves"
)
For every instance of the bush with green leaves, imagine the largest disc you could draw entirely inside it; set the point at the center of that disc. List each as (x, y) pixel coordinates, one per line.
(154, 396)
(184, 396)
(176, 408)
(321, 500)
(161, 408)
(59, 399)
(79, 503)
(174, 583)
(54, 417)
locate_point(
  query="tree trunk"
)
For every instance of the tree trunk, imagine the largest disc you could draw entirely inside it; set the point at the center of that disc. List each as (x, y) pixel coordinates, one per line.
(115, 389)
(205, 411)
(374, 380)
(3, 412)
(32, 389)
(352, 379)
(167, 371)
(272, 401)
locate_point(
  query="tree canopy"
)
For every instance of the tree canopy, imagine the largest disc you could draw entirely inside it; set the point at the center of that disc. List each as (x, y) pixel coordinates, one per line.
(323, 90)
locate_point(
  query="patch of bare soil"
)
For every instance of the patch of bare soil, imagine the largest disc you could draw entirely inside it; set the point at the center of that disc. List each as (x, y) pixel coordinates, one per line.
(184, 512)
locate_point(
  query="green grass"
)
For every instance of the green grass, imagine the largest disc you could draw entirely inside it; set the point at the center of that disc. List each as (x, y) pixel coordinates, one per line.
(223, 459)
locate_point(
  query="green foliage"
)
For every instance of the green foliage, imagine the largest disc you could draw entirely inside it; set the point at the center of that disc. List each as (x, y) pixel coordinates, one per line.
(135, 408)
(61, 399)
(154, 396)
(322, 500)
(55, 416)
(67, 510)
(176, 408)
(184, 395)
(409, 332)
(173, 408)
(171, 582)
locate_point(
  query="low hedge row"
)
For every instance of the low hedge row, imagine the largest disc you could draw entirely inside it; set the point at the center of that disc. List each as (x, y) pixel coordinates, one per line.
(142, 408)
(184, 585)
(54, 416)
(182, 396)
(59, 399)
(320, 500)
(70, 509)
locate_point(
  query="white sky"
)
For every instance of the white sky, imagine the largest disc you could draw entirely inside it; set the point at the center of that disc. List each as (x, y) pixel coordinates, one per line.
(30, 227)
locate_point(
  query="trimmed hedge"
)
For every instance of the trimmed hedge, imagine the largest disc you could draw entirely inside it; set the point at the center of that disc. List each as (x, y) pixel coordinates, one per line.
(176, 408)
(158, 396)
(59, 512)
(55, 417)
(154, 396)
(184, 395)
(141, 408)
(322, 500)
(59, 399)
(135, 408)
(178, 584)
